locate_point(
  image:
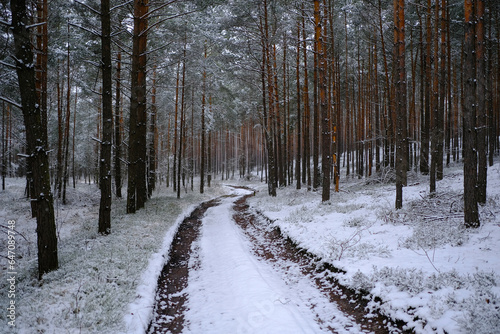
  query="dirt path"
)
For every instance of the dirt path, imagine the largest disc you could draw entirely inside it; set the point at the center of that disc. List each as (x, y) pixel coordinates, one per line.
(170, 299)
(273, 250)
(269, 244)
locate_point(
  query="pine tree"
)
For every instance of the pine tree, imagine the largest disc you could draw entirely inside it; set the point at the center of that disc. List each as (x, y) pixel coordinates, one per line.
(36, 134)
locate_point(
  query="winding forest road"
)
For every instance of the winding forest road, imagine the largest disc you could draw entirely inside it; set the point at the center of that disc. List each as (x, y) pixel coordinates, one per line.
(230, 272)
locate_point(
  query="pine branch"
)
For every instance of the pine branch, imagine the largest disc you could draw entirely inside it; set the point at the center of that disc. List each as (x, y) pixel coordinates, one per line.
(11, 102)
(88, 7)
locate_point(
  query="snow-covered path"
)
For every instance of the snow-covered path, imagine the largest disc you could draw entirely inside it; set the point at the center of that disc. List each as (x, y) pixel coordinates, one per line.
(231, 291)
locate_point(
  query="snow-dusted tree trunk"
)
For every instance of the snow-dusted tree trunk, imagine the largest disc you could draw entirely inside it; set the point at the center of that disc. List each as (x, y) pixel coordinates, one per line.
(65, 173)
(481, 117)
(153, 140)
(118, 128)
(323, 103)
(107, 121)
(299, 116)
(401, 126)
(471, 215)
(36, 134)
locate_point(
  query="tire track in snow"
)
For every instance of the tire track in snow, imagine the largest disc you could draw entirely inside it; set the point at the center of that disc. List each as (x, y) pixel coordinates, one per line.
(168, 313)
(228, 273)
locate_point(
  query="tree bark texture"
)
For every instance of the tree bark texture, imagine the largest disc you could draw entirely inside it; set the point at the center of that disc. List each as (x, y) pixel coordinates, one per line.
(107, 121)
(471, 216)
(36, 134)
(137, 185)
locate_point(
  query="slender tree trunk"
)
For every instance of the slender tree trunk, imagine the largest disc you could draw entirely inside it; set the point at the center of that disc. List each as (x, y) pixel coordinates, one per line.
(401, 134)
(209, 147)
(137, 186)
(481, 114)
(182, 126)
(107, 121)
(489, 88)
(203, 129)
(442, 91)
(347, 105)
(118, 128)
(153, 140)
(271, 161)
(449, 96)
(60, 138)
(299, 116)
(323, 104)
(424, 154)
(192, 168)
(435, 105)
(66, 128)
(36, 134)
(42, 39)
(306, 169)
(4, 146)
(316, 108)
(176, 126)
(471, 216)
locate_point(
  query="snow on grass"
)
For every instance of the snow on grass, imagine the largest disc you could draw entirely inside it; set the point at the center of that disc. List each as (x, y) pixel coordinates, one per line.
(104, 284)
(428, 270)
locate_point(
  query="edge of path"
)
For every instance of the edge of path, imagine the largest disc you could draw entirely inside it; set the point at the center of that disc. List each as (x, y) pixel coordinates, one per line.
(139, 313)
(315, 268)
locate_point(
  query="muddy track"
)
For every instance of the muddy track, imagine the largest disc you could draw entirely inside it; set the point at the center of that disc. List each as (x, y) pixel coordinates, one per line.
(168, 313)
(272, 246)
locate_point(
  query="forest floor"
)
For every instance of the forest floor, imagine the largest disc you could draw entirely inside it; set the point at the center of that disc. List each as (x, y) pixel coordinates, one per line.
(257, 263)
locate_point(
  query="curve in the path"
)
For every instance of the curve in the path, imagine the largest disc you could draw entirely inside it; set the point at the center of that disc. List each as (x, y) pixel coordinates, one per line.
(229, 272)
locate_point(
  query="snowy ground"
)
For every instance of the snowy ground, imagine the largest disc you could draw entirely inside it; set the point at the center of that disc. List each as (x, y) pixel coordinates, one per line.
(101, 279)
(426, 269)
(232, 291)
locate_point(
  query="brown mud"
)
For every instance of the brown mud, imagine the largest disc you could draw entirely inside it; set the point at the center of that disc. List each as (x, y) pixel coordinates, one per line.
(168, 314)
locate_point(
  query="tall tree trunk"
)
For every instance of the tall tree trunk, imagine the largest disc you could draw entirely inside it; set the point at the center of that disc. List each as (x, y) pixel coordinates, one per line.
(66, 127)
(306, 168)
(489, 87)
(299, 115)
(118, 128)
(36, 134)
(481, 114)
(107, 121)
(316, 175)
(203, 127)
(153, 140)
(60, 138)
(42, 39)
(441, 7)
(435, 105)
(4, 146)
(181, 128)
(271, 161)
(471, 216)
(401, 132)
(137, 186)
(176, 126)
(323, 104)
(425, 126)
